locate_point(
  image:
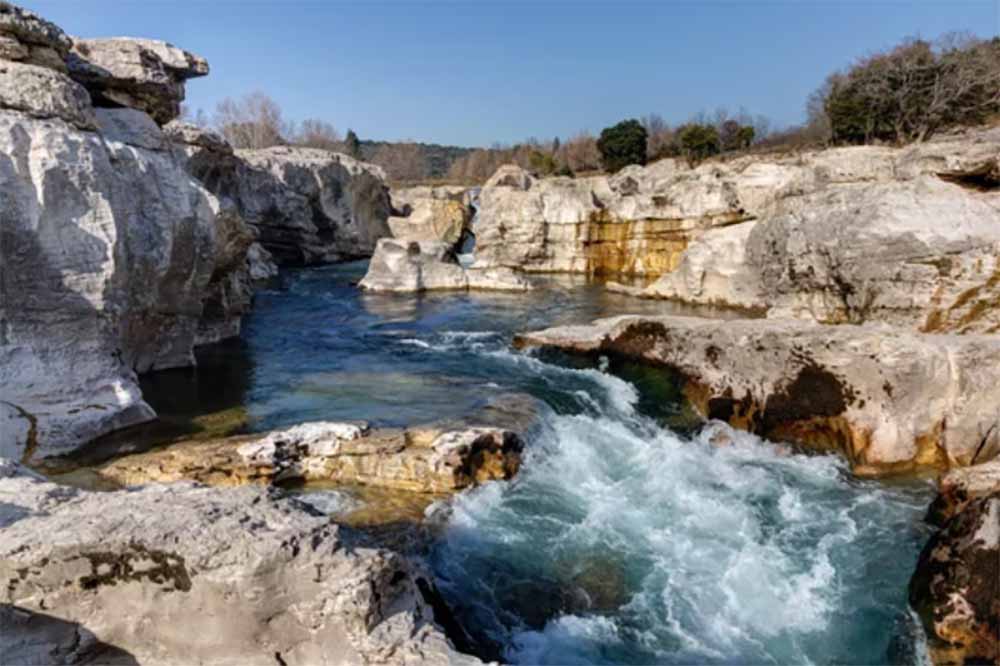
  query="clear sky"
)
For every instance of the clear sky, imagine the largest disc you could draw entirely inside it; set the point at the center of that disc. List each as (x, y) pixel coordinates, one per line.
(475, 72)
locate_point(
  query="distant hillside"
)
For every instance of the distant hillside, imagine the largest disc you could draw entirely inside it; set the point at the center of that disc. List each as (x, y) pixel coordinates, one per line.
(438, 158)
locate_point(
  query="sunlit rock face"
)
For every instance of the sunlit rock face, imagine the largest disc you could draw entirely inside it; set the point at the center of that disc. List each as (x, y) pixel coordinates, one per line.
(431, 214)
(143, 74)
(274, 580)
(409, 266)
(115, 260)
(909, 237)
(424, 459)
(889, 400)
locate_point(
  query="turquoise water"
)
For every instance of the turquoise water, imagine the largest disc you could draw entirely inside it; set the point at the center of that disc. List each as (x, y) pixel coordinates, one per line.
(621, 541)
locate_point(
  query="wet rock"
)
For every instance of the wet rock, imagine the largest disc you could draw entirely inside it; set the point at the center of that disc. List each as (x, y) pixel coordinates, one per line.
(888, 399)
(422, 459)
(960, 486)
(143, 74)
(414, 266)
(233, 575)
(956, 586)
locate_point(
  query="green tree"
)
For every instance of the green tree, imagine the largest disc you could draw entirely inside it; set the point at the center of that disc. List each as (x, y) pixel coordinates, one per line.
(352, 145)
(542, 163)
(698, 142)
(622, 144)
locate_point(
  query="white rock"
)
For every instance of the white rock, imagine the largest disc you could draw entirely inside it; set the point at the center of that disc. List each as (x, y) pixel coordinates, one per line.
(231, 576)
(414, 266)
(888, 399)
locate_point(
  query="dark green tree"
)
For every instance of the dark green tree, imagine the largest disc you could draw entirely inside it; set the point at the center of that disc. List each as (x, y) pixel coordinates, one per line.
(622, 144)
(352, 145)
(698, 142)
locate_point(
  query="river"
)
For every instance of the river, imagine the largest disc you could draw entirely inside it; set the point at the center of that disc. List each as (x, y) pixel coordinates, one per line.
(629, 536)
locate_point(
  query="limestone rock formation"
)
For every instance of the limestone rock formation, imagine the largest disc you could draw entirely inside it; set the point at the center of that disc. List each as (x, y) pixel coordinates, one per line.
(909, 237)
(45, 94)
(114, 259)
(430, 214)
(306, 205)
(27, 38)
(144, 74)
(599, 225)
(414, 266)
(888, 399)
(221, 576)
(956, 587)
(431, 459)
(960, 486)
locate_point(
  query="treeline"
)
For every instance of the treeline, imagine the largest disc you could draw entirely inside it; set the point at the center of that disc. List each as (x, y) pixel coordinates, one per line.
(256, 121)
(913, 91)
(907, 93)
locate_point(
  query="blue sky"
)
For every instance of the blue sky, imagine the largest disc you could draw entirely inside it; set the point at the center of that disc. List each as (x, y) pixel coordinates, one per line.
(472, 73)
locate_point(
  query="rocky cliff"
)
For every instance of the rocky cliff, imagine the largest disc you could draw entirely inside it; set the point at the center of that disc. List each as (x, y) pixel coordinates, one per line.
(306, 205)
(128, 239)
(905, 236)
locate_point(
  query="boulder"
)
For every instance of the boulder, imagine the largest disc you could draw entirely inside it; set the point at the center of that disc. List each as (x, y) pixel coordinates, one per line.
(956, 586)
(415, 266)
(421, 459)
(437, 215)
(144, 74)
(27, 38)
(713, 271)
(889, 400)
(233, 576)
(599, 225)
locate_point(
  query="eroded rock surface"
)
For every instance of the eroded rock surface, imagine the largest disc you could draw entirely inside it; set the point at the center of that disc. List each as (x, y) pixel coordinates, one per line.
(956, 587)
(430, 214)
(144, 74)
(234, 576)
(909, 237)
(412, 266)
(960, 486)
(26, 37)
(114, 259)
(307, 205)
(421, 459)
(888, 399)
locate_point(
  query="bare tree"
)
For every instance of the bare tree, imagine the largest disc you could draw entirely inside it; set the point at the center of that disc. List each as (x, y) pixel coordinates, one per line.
(316, 133)
(581, 153)
(402, 161)
(253, 121)
(199, 117)
(659, 137)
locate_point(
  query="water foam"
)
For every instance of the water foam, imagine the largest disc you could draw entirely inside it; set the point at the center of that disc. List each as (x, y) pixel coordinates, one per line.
(724, 548)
